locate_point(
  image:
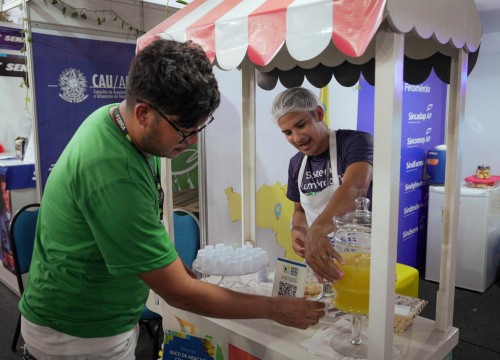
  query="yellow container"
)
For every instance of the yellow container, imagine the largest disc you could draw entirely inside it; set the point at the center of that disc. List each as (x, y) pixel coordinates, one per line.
(352, 291)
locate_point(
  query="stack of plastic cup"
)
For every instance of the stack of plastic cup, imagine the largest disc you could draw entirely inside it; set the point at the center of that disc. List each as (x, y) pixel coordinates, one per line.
(229, 261)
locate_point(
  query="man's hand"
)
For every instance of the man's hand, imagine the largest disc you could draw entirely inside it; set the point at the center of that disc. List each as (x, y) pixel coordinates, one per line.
(321, 256)
(296, 312)
(298, 240)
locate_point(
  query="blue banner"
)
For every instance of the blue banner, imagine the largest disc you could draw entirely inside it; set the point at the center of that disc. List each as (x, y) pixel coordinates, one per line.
(423, 126)
(73, 77)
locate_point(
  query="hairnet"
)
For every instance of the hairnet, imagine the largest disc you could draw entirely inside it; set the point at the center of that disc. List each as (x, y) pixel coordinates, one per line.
(296, 99)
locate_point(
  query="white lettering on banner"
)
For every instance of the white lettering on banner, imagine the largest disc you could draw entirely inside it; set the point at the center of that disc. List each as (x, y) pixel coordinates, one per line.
(417, 141)
(109, 81)
(410, 209)
(419, 116)
(410, 232)
(17, 39)
(414, 185)
(15, 67)
(414, 164)
(418, 88)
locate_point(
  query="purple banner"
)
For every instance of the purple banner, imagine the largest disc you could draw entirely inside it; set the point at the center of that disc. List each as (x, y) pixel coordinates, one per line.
(74, 77)
(11, 39)
(423, 125)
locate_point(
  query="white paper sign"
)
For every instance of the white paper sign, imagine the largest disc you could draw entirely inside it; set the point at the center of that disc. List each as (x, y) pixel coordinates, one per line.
(289, 278)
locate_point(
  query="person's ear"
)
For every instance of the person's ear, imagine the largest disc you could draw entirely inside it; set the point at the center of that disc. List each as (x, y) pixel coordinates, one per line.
(141, 112)
(319, 112)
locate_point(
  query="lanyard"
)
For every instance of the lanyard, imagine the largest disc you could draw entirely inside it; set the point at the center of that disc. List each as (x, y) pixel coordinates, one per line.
(159, 190)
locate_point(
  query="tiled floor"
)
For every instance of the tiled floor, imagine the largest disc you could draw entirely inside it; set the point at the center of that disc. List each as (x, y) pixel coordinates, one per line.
(476, 315)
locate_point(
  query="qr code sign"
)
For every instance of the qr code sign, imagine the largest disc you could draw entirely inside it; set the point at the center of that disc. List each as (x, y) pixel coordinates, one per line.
(287, 289)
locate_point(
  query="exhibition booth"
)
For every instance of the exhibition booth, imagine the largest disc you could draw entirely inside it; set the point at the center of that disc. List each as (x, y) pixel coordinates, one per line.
(401, 53)
(396, 41)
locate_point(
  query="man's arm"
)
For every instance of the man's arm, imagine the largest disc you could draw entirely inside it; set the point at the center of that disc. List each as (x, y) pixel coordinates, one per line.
(318, 250)
(188, 270)
(178, 289)
(299, 229)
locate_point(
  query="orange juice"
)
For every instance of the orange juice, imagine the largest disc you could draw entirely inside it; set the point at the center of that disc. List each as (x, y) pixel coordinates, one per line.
(352, 291)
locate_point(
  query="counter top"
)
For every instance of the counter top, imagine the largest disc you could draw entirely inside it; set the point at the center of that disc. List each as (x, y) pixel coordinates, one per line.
(266, 339)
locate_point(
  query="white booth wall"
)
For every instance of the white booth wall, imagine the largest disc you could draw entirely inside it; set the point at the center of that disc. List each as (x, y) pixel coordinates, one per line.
(482, 107)
(273, 152)
(15, 119)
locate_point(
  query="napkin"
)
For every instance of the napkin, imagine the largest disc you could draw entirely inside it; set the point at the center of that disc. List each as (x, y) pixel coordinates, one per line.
(319, 343)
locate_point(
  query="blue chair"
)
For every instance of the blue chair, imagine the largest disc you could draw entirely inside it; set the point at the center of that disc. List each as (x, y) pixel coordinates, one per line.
(186, 235)
(22, 239)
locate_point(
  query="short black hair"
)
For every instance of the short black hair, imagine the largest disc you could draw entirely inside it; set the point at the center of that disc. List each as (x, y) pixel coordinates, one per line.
(177, 78)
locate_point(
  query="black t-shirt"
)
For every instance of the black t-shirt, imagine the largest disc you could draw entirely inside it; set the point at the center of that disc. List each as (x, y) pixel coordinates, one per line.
(352, 146)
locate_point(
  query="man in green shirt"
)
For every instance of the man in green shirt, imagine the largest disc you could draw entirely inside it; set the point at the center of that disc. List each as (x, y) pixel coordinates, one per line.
(100, 244)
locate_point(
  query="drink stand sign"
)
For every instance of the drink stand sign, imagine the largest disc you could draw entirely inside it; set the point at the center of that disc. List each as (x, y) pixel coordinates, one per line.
(182, 346)
(423, 124)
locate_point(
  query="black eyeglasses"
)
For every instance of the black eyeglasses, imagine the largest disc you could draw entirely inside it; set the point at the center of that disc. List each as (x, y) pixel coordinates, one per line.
(185, 136)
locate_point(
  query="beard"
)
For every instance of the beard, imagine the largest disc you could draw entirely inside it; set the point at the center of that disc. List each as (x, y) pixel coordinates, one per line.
(152, 144)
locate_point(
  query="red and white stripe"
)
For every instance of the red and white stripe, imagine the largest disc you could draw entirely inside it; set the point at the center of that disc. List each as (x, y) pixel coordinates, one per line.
(228, 30)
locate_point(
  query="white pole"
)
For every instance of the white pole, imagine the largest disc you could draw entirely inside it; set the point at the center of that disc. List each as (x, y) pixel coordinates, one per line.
(389, 51)
(248, 174)
(454, 136)
(32, 95)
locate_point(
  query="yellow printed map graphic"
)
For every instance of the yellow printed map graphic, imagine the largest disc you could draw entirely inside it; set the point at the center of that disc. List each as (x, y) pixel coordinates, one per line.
(274, 212)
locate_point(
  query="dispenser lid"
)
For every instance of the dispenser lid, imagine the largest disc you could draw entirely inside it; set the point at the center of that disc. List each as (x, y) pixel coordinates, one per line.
(354, 228)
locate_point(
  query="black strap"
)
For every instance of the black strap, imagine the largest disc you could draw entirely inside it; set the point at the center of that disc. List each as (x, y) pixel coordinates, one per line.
(156, 178)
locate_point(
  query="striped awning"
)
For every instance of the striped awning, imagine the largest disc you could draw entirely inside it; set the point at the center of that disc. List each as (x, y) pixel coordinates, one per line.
(285, 34)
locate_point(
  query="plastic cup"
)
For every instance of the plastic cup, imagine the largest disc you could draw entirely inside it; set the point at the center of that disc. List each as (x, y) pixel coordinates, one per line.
(207, 264)
(200, 252)
(246, 266)
(200, 258)
(209, 249)
(262, 259)
(256, 262)
(220, 267)
(247, 249)
(233, 267)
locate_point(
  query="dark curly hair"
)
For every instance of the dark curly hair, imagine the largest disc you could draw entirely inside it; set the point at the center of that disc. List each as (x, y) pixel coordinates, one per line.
(177, 78)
